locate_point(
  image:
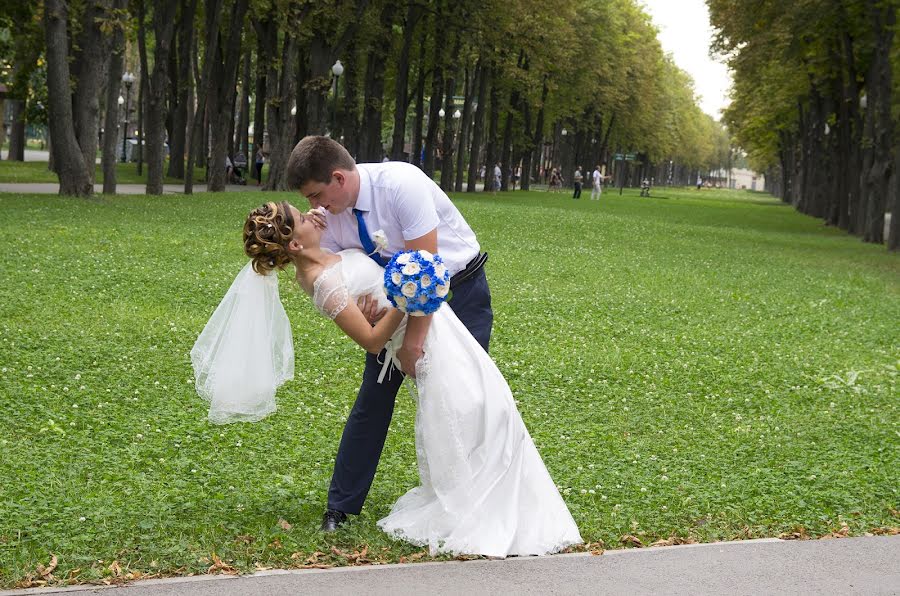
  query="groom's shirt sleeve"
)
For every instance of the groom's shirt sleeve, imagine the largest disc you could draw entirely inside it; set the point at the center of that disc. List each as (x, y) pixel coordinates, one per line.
(415, 206)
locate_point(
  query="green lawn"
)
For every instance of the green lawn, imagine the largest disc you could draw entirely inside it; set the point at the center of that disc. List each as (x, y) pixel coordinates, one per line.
(710, 365)
(36, 171)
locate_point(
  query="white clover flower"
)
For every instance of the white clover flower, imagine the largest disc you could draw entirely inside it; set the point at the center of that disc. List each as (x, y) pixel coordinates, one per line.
(404, 258)
(441, 290)
(425, 280)
(396, 277)
(409, 289)
(411, 268)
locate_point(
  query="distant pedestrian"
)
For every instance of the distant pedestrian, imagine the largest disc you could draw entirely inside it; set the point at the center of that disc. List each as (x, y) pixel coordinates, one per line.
(260, 160)
(597, 179)
(578, 179)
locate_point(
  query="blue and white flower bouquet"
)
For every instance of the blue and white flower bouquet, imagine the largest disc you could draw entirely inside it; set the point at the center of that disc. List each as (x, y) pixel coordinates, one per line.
(416, 282)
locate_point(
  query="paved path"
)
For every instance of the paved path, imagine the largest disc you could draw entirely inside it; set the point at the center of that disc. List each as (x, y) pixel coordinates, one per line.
(769, 566)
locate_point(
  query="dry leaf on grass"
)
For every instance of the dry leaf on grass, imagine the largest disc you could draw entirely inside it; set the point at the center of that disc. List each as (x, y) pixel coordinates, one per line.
(46, 572)
(629, 540)
(220, 567)
(284, 524)
(799, 533)
(674, 541)
(844, 532)
(886, 531)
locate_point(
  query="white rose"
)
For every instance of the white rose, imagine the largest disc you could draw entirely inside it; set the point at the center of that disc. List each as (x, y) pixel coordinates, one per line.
(409, 289)
(440, 270)
(396, 277)
(425, 280)
(380, 239)
(423, 299)
(403, 259)
(417, 313)
(401, 302)
(411, 268)
(426, 255)
(441, 290)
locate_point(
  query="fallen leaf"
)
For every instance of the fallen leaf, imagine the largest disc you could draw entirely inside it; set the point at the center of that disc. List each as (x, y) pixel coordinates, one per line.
(284, 524)
(844, 532)
(245, 538)
(887, 531)
(634, 541)
(46, 572)
(219, 566)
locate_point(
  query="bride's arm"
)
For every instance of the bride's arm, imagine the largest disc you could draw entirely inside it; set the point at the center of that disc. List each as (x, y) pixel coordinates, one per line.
(354, 324)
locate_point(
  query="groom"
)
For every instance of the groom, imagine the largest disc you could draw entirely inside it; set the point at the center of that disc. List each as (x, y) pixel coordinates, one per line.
(414, 214)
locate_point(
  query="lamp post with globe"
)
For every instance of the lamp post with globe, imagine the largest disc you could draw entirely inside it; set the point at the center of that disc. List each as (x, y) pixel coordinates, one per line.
(337, 69)
(127, 79)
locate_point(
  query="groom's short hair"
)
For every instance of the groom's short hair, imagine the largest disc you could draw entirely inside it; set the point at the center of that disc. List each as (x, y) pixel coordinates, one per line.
(314, 158)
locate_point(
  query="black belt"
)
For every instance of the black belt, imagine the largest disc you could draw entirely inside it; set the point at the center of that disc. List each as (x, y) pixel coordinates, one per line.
(473, 267)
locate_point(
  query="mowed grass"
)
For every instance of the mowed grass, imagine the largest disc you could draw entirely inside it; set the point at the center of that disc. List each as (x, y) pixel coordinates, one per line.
(17, 172)
(708, 365)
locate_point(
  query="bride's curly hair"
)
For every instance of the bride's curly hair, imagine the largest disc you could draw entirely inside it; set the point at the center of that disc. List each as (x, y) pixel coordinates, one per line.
(267, 231)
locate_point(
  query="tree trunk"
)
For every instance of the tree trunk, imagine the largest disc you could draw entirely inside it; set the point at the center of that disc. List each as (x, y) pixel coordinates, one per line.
(281, 93)
(259, 108)
(417, 140)
(484, 80)
(491, 149)
(88, 71)
(372, 149)
(437, 89)
(464, 130)
(879, 134)
(74, 178)
(222, 97)
(197, 144)
(111, 125)
(183, 86)
(538, 141)
(17, 130)
(413, 14)
(164, 28)
(242, 141)
(449, 129)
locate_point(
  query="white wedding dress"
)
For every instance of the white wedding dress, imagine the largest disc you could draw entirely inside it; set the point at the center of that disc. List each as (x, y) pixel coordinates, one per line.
(485, 489)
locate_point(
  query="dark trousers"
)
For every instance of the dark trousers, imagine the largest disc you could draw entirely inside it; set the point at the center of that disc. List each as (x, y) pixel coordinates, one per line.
(577, 194)
(367, 426)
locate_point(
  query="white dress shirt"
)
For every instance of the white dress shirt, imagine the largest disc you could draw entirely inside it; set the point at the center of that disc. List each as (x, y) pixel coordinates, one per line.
(400, 199)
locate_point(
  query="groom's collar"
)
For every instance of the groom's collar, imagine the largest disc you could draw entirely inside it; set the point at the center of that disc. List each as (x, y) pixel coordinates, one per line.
(364, 198)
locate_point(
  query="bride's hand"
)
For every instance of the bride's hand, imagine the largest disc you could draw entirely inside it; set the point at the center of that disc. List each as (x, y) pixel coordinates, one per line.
(368, 306)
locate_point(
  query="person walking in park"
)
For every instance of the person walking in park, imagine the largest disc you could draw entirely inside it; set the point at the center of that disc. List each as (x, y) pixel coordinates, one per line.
(597, 179)
(260, 160)
(495, 183)
(578, 179)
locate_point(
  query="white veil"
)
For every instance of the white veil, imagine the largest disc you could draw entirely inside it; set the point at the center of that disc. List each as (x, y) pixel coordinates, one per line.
(245, 352)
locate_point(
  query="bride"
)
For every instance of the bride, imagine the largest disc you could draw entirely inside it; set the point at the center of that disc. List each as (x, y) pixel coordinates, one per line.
(484, 488)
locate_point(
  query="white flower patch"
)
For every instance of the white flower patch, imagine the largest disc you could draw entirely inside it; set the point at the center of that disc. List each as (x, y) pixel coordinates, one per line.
(411, 268)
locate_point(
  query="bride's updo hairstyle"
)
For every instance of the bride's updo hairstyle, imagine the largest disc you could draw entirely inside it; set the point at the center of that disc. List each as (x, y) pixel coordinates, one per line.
(267, 231)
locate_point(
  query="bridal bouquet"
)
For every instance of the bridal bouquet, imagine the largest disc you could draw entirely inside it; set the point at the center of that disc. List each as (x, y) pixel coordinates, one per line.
(416, 282)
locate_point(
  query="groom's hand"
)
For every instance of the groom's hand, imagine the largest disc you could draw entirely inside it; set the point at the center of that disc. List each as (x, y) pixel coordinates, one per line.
(368, 306)
(408, 356)
(318, 218)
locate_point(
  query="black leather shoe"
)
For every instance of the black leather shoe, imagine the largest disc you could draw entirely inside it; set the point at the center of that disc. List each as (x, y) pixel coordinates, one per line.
(332, 520)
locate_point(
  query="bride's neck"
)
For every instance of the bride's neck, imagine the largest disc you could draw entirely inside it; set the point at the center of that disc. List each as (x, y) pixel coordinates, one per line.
(310, 261)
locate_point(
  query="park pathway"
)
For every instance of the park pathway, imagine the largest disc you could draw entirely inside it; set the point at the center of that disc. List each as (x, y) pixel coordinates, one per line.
(769, 566)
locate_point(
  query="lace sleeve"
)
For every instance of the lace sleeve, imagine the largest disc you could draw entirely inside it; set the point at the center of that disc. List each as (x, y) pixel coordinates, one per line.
(330, 295)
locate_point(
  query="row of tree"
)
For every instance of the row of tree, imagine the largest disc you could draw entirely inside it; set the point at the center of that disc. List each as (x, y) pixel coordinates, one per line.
(816, 102)
(459, 84)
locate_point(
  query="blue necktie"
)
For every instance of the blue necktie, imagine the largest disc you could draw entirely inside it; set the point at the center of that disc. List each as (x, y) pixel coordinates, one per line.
(367, 243)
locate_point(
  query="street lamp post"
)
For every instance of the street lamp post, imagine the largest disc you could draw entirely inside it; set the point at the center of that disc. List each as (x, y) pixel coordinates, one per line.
(337, 69)
(128, 79)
